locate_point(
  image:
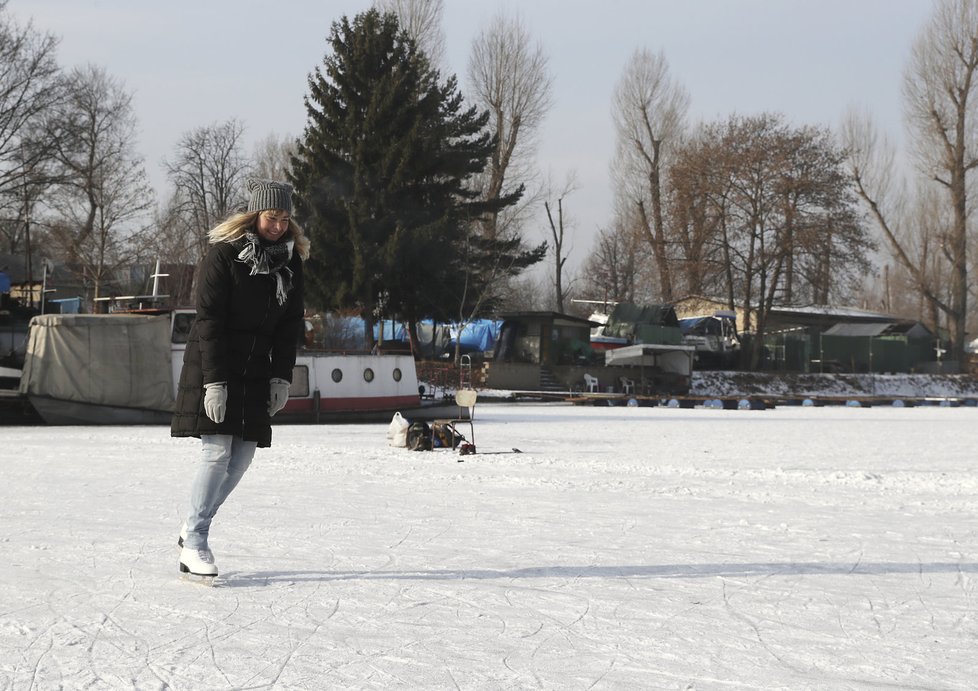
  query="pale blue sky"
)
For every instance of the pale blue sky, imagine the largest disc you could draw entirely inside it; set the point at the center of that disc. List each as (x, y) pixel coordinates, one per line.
(197, 63)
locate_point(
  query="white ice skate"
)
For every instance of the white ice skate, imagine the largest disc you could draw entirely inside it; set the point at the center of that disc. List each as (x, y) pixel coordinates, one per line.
(198, 565)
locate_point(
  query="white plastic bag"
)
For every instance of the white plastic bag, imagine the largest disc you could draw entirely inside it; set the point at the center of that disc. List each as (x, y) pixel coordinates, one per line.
(397, 432)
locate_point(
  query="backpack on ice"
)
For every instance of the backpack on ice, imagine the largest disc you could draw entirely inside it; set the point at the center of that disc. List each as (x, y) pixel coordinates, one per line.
(444, 436)
(419, 436)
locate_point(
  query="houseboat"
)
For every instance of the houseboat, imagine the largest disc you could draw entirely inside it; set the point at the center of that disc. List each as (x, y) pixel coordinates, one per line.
(123, 369)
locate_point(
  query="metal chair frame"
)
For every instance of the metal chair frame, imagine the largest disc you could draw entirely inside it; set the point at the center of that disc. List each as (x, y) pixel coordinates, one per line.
(466, 399)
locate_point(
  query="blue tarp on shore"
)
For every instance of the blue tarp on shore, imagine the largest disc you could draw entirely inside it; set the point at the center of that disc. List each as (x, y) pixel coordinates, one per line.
(479, 335)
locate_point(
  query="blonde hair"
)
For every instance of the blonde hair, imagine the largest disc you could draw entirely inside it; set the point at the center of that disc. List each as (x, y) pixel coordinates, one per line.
(235, 225)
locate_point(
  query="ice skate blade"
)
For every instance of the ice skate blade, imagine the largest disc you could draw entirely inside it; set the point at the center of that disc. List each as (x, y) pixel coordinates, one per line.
(186, 573)
(197, 578)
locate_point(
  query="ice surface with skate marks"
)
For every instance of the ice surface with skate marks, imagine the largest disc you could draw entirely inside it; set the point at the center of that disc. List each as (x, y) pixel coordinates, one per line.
(623, 548)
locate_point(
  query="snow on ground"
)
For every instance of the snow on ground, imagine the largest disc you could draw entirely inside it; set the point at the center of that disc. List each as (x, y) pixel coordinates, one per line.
(624, 548)
(712, 383)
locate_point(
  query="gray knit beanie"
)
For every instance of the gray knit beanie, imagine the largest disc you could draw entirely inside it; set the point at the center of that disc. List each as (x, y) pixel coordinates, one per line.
(268, 194)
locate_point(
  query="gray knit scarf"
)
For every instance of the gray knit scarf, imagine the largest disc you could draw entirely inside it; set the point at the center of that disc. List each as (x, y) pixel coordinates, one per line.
(268, 259)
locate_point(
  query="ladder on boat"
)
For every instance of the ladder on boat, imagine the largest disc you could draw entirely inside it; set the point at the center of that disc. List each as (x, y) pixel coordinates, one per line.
(465, 372)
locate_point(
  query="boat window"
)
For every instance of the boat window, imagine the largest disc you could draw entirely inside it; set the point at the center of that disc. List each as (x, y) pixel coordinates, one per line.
(397, 374)
(368, 375)
(337, 375)
(300, 381)
(182, 321)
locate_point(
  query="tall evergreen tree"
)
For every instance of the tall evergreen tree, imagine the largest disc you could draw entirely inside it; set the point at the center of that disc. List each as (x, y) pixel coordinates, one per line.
(380, 175)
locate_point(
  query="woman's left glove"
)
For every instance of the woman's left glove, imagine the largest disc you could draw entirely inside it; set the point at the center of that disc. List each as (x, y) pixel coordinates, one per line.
(279, 395)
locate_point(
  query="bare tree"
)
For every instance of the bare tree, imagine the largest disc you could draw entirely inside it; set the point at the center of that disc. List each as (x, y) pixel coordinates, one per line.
(208, 172)
(211, 169)
(697, 200)
(612, 270)
(939, 86)
(18, 220)
(272, 157)
(778, 215)
(175, 240)
(422, 21)
(509, 76)
(527, 294)
(30, 85)
(922, 220)
(104, 195)
(558, 234)
(649, 110)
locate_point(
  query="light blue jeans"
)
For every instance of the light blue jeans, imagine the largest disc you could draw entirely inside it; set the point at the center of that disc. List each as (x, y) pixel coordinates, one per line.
(222, 464)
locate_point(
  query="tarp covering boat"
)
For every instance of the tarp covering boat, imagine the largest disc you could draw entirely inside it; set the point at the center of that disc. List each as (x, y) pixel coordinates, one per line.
(644, 324)
(105, 360)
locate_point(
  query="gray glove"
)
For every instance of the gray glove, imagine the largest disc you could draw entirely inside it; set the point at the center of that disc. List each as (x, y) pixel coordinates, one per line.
(278, 395)
(216, 400)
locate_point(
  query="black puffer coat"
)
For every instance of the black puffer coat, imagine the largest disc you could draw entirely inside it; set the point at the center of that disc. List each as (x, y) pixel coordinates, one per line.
(241, 336)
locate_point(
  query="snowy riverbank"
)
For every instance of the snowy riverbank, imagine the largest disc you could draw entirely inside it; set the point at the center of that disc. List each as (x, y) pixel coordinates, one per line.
(883, 385)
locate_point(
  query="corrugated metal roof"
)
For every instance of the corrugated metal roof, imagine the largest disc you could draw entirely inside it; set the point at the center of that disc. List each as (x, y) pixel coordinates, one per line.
(860, 329)
(832, 311)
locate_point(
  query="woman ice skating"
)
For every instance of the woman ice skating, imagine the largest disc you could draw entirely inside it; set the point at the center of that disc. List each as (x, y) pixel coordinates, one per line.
(240, 353)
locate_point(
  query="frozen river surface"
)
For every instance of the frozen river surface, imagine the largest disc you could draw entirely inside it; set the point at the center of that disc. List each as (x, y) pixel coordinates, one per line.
(624, 548)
